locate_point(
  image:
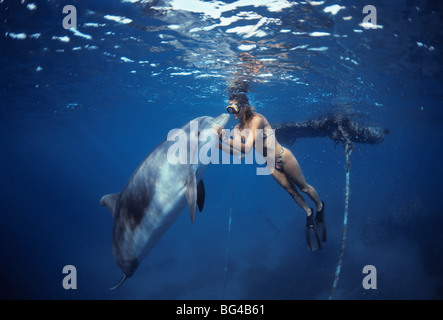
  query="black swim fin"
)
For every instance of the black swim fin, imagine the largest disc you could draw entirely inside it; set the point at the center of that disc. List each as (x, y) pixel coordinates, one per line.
(312, 237)
(321, 223)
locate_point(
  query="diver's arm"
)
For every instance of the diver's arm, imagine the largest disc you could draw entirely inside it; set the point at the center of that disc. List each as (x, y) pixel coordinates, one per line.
(223, 142)
(227, 148)
(247, 146)
(229, 145)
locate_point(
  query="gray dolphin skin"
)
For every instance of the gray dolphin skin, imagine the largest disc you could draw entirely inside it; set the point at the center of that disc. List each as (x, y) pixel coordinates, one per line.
(156, 194)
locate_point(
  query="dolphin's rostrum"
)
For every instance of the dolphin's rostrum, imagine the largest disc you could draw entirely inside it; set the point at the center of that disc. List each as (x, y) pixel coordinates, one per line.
(155, 195)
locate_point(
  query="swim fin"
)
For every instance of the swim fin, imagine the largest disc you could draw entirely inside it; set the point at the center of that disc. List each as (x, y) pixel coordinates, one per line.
(312, 237)
(321, 223)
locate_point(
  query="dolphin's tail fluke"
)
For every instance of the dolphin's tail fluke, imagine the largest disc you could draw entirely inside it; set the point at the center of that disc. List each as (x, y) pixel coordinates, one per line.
(120, 282)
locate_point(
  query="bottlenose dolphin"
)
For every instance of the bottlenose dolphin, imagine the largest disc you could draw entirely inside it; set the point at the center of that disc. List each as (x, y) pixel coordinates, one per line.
(157, 192)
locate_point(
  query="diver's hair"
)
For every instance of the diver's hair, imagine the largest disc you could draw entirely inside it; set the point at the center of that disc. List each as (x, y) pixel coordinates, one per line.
(239, 85)
(241, 98)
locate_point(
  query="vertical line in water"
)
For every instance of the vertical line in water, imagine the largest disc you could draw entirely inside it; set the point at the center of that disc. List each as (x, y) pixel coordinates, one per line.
(229, 235)
(345, 224)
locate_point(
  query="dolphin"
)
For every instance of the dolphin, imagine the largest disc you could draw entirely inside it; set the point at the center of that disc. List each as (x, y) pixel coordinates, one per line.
(157, 192)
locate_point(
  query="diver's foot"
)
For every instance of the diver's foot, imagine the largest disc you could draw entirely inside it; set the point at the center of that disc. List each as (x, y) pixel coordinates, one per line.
(320, 207)
(321, 223)
(312, 236)
(309, 212)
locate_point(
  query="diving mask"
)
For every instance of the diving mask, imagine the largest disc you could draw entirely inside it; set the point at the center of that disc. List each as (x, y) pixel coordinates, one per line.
(233, 109)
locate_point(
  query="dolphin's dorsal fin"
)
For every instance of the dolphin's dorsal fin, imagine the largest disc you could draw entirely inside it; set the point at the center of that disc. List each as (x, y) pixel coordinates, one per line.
(110, 201)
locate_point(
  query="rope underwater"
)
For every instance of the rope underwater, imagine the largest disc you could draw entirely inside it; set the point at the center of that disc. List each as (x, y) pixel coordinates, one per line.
(229, 234)
(348, 150)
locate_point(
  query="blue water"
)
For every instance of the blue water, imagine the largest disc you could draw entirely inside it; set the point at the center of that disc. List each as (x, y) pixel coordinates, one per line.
(78, 116)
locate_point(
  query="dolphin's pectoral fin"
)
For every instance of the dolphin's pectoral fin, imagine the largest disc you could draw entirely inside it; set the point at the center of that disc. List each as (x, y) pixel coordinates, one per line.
(110, 201)
(195, 194)
(200, 195)
(191, 194)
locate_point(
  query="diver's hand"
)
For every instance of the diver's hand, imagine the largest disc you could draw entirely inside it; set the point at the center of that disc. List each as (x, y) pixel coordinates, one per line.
(218, 130)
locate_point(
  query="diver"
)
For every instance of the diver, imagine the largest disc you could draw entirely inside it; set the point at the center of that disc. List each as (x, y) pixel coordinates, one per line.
(287, 169)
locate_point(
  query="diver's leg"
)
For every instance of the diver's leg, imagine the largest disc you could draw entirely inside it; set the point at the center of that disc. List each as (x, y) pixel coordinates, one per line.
(286, 184)
(292, 169)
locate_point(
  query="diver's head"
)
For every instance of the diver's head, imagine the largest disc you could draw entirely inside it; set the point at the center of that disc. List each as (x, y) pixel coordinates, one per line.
(235, 109)
(238, 102)
(239, 107)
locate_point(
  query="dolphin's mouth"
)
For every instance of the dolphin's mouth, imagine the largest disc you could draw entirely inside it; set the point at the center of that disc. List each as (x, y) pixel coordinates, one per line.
(222, 120)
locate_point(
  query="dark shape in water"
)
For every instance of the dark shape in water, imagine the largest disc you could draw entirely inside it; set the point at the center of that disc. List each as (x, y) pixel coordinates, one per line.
(339, 128)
